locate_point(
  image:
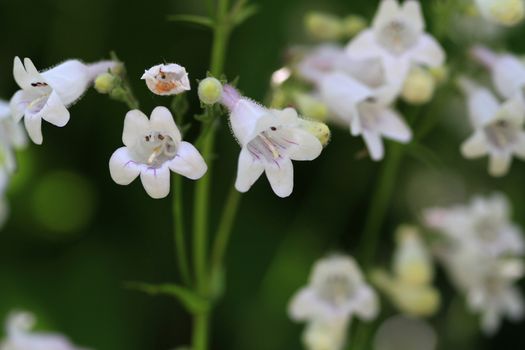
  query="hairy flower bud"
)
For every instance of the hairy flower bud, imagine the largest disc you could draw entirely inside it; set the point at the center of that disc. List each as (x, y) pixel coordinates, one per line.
(210, 91)
(419, 86)
(318, 129)
(104, 83)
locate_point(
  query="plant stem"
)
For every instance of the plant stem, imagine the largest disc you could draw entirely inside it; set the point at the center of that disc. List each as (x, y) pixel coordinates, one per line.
(178, 227)
(200, 331)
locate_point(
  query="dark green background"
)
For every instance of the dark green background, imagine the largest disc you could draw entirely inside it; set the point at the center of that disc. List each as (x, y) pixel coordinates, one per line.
(74, 280)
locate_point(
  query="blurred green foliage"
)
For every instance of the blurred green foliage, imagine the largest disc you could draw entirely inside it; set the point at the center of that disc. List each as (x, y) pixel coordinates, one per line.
(75, 281)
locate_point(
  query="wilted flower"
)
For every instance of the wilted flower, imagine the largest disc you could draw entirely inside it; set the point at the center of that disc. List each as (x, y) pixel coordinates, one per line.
(498, 128)
(270, 140)
(325, 335)
(12, 137)
(336, 290)
(367, 112)
(504, 12)
(397, 37)
(167, 79)
(152, 148)
(47, 95)
(20, 336)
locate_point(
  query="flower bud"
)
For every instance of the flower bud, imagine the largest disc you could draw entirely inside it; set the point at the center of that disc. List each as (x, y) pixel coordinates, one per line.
(318, 129)
(440, 74)
(504, 12)
(353, 24)
(210, 91)
(419, 87)
(412, 263)
(311, 107)
(104, 83)
(323, 26)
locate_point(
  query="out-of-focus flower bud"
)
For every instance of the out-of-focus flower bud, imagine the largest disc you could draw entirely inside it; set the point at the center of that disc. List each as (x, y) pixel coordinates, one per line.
(210, 91)
(504, 12)
(419, 86)
(353, 24)
(322, 26)
(105, 83)
(412, 263)
(311, 107)
(440, 74)
(320, 130)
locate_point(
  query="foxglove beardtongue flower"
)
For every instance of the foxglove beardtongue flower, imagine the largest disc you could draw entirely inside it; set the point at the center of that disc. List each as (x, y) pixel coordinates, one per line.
(47, 95)
(397, 37)
(508, 72)
(366, 111)
(152, 148)
(270, 140)
(167, 79)
(337, 290)
(498, 128)
(12, 137)
(20, 336)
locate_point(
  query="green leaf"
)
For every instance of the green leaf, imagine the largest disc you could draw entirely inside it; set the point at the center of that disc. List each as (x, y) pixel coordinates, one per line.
(193, 19)
(193, 303)
(244, 13)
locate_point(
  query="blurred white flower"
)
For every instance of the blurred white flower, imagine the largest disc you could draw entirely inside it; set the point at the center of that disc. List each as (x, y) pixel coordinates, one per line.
(405, 333)
(12, 137)
(270, 140)
(20, 336)
(397, 37)
(366, 111)
(325, 335)
(507, 70)
(336, 291)
(484, 223)
(152, 148)
(504, 12)
(47, 95)
(4, 207)
(498, 128)
(167, 79)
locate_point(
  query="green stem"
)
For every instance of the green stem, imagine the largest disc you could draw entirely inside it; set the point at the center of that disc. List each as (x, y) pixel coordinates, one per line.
(201, 325)
(178, 227)
(225, 229)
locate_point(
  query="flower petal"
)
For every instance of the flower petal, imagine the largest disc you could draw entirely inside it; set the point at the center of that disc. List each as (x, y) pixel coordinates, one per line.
(156, 181)
(475, 146)
(499, 164)
(244, 118)
(69, 79)
(483, 107)
(388, 9)
(54, 111)
(18, 104)
(136, 124)
(519, 148)
(412, 12)
(122, 168)
(188, 162)
(508, 75)
(393, 126)
(428, 52)
(305, 146)
(34, 128)
(19, 73)
(280, 175)
(162, 120)
(374, 143)
(305, 306)
(366, 303)
(364, 46)
(248, 171)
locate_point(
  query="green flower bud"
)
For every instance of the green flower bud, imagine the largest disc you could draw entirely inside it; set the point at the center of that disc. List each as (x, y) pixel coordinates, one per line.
(104, 83)
(323, 26)
(353, 24)
(504, 12)
(210, 91)
(419, 86)
(317, 129)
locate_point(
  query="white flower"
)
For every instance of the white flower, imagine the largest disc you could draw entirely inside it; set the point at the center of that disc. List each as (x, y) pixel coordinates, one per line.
(504, 12)
(152, 148)
(366, 111)
(12, 137)
(397, 37)
(498, 129)
(167, 79)
(20, 337)
(4, 207)
(337, 290)
(270, 140)
(325, 335)
(484, 223)
(508, 71)
(47, 95)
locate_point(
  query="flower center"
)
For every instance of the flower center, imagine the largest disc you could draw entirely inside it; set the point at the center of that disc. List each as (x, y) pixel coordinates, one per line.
(269, 145)
(337, 289)
(165, 82)
(501, 134)
(157, 148)
(487, 230)
(369, 114)
(396, 36)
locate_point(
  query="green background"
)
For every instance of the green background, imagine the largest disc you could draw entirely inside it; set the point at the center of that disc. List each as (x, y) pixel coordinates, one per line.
(74, 236)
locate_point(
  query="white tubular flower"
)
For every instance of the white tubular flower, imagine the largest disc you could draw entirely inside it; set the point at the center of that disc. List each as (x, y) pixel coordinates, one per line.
(270, 140)
(366, 111)
(12, 137)
(20, 336)
(167, 79)
(504, 12)
(397, 37)
(152, 148)
(484, 223)
(498, 129)
(47, 95)
(325, 335)
(337, 290)
(508, 72)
